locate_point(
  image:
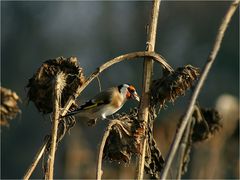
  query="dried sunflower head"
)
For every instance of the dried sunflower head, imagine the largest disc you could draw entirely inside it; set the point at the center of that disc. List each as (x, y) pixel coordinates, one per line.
(40, 86)
(172, 85)
(9, 108)
(208, 122)
(123, 140)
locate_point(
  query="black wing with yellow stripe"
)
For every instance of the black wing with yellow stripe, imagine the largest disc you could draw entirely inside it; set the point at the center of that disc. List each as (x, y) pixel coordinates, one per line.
(99, 100)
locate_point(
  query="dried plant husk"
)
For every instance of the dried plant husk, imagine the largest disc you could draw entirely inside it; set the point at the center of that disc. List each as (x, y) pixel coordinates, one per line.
(153, 160)
(208, 122)
(9, 107)
(40, 88)
(204, 124)
(172, 85)
(124, 139)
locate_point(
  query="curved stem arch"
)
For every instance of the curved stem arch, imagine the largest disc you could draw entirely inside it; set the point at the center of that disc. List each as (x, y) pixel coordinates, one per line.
(130, 56)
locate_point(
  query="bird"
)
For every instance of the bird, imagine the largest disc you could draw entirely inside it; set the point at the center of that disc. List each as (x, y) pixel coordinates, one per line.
(106, 103)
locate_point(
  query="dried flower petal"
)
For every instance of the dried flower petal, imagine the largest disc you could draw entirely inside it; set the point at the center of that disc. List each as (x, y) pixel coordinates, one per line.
(9, 108)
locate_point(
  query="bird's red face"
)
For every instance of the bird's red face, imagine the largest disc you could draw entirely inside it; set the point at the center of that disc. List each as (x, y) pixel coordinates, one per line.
(132, 93)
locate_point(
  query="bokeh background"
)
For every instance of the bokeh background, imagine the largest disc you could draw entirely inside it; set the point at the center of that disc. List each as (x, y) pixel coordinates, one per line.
(32, 32)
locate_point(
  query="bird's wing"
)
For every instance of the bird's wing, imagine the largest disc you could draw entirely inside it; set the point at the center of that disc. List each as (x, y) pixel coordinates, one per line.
(100, 99)
(93, 104)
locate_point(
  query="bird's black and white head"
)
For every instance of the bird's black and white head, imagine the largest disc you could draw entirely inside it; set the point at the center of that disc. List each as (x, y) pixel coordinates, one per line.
(128, 91)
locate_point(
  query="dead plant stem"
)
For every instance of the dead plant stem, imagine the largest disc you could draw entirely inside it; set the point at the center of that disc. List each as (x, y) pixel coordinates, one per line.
(36, 159)
(103, 142)
(56, 114)
(182, 151)
(199, 85)
(147, 79)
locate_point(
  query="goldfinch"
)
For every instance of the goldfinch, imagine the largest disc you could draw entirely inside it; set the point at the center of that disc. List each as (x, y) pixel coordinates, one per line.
(106, 102)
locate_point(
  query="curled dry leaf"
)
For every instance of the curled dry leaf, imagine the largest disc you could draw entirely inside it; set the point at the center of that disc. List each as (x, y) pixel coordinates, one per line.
(153, 160)
(40, 88)
(9, 108)
(172, 85)
(124, 138)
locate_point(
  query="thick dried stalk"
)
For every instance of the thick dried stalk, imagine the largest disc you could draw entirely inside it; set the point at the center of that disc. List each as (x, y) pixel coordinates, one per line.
(58, 86)
(103, 142)
(36, 159)
(130, 56)
(199, 85)
(147, 78)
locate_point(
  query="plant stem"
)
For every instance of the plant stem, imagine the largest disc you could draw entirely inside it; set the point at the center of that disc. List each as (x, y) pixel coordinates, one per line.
(56, 114)
(147, 78)
(183, 148)
(36, 159)
(103, 142)
(199, 85)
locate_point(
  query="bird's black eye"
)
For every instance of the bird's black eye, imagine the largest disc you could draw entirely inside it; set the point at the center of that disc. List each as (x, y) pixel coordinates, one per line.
(131, 90)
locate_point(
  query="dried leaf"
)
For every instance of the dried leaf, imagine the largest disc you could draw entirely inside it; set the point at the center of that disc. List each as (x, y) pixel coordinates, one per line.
(154, 161)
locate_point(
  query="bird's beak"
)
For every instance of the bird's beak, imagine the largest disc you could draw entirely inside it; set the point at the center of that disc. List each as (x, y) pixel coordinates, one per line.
(136, 97)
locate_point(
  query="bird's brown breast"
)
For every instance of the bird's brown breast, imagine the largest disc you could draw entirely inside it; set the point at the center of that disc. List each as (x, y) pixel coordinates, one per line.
(117, 100)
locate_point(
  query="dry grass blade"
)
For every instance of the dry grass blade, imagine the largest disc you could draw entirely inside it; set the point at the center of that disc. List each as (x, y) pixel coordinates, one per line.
(9, 107)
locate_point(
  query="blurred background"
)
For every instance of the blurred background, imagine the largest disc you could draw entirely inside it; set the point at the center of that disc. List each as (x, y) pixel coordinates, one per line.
(94, 32)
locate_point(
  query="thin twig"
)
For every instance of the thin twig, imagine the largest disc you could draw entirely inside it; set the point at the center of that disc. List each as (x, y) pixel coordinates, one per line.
(147, 78)
(99, 84)
(199, 85)
(36, 159)
(130, 56)
(182, 151)
(58, 87)
(103, 142)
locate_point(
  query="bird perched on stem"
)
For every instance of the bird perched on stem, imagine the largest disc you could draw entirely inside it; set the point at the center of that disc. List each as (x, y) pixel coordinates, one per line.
(106, 102)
